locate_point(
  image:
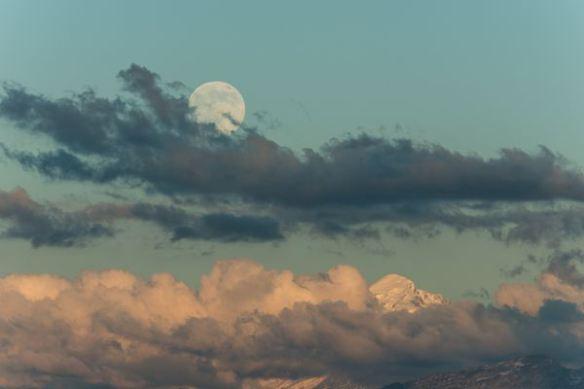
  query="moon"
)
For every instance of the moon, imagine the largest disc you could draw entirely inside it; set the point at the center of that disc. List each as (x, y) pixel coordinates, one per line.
(217, 103)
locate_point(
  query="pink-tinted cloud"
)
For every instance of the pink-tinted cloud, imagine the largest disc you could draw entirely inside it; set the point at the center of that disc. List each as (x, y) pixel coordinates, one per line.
(249, 323)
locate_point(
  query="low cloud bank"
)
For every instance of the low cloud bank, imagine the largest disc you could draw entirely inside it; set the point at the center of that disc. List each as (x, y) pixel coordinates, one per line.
(114, 329)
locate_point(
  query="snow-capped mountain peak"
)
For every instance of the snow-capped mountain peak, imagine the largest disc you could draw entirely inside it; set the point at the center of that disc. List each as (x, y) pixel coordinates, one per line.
(398, 293)
(392, 292)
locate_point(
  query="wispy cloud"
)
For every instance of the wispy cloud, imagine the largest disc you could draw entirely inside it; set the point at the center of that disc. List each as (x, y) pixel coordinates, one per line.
(48, 225)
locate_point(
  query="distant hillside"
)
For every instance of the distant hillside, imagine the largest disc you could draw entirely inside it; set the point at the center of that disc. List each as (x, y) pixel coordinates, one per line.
(533, 372)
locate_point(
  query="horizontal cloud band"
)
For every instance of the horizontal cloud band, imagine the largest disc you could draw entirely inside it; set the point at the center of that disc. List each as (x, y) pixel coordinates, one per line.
(150, 139)
(248, 323)
(347, 187)
(49, 225)
(46, 225)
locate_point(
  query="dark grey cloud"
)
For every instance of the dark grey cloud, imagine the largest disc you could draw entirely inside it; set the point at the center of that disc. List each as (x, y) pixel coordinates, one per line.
(228, 227)
(509, 222)
(221, 226)
(48, 225)
(149, 138)
(563, 264)
(143, 137)
(169, 110)
(560, 311)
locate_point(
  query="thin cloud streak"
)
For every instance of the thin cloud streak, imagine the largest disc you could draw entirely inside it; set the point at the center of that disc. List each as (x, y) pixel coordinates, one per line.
(48, 225)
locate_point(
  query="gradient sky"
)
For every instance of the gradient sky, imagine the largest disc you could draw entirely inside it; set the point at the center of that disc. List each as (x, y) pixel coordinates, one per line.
(473, 76)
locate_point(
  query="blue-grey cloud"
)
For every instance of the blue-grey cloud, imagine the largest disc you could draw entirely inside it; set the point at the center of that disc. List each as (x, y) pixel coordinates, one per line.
(343, 188)
(149, 138)
(48, 225)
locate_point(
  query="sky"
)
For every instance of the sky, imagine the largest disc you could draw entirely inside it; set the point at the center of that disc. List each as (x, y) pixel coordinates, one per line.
(470, 76)
(437, 140)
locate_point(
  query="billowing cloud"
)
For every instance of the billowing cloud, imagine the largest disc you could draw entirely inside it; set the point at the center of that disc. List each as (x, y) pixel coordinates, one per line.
(560, 281)
(114, 329)
(237, 287)
(343, 188)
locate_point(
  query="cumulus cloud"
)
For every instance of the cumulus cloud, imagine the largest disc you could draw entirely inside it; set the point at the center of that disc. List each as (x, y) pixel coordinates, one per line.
(114, 329)
(560, 281)
(236, 287)
(339, 189)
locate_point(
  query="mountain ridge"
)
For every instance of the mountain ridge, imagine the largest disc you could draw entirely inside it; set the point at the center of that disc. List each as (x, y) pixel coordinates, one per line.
(527, 372)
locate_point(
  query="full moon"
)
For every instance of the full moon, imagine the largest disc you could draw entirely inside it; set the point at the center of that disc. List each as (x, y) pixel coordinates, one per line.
(218, 103)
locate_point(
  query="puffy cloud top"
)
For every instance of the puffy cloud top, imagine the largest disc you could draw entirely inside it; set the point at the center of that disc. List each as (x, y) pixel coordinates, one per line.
(112, 328)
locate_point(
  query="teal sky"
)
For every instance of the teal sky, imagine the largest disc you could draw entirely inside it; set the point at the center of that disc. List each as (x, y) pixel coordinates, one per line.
(474, 76)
